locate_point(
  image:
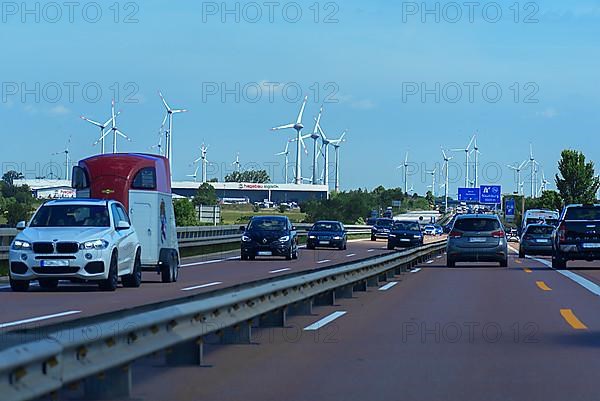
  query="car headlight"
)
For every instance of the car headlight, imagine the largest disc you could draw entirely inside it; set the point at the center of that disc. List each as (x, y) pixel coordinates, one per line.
(21, 245)
(245, 238)
(416, 236)
(284, 239)
(337, 237)
(312, 237)
(393, 235)
(95, 244)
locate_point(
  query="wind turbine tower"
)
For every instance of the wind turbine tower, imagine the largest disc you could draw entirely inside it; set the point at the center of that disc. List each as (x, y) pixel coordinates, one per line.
(299, 141)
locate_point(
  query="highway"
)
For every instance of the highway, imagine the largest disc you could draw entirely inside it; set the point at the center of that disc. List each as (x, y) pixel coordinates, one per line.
(474, 332)
(199, 274)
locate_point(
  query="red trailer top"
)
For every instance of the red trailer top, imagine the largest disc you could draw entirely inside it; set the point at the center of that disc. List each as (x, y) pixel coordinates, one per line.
(112, 176)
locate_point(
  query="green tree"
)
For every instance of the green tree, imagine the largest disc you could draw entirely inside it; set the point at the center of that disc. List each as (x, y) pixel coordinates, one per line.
(206, 195)
(10, 176)
(548, 200)
(185, 213)
(430, 198)
(283, 208)
(577, 181)
(16, 212)
(250, 176)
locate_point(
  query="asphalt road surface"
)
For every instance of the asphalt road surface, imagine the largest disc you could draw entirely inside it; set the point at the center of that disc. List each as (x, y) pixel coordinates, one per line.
(474, 332)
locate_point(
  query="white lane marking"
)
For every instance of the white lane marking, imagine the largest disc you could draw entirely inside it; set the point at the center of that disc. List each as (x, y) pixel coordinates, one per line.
(280, 270)
(323, 261)
(326, 320)
(37, 319)
(388, 286)
(206, 262)
(585, 283)
(370, 250)
(234, 258)
(350, 255)
(197, 287)
(418, 269)
(429, 262)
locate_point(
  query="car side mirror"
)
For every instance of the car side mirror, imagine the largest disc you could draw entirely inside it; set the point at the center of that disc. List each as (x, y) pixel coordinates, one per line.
(123, 225)
(21, 225)
(242, 228)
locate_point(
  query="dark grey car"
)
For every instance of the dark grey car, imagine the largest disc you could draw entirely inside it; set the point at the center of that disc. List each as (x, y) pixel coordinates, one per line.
(477, 238)
(536, 240)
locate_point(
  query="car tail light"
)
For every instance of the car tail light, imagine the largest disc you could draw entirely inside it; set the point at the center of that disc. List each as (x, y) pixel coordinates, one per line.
(562, 231)
(498, 234)
(455, 234)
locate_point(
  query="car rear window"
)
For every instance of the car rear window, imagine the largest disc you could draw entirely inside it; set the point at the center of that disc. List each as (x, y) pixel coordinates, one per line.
(384, 223)
(539, 230)
(477, 224)
(326, 227)
(407, 226)
(583, 213)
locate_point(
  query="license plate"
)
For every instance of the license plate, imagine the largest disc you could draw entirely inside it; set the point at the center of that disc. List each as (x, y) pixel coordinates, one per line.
(404, 240)
(477, 240)
(542, 241)
(591, 246)
(265, 253)
(54, 263)
(324, 242)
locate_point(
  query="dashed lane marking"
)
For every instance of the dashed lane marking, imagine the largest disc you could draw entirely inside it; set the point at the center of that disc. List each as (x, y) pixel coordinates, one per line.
(325, 321)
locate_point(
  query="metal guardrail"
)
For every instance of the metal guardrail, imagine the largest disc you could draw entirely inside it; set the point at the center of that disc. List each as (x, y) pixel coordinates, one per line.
(189, 237)
(100, 349)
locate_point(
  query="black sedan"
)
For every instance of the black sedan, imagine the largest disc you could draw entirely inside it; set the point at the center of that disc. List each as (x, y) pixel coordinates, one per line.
(327, 234)
(269, 236)
(405, 234)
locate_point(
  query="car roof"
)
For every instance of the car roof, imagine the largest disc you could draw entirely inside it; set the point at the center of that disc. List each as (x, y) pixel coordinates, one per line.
(477, 216)
(78, 201)
(269, 218)
(328, 222)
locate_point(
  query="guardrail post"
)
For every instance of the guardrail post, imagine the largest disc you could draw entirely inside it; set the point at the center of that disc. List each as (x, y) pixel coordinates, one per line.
(276, 318)
(344, 292)
(382, 277)
(301, 308)
(187, 353)
(390, 274)
(113, 383)
(373, 281)
(361, 286)
(325, 299)
(238, 334)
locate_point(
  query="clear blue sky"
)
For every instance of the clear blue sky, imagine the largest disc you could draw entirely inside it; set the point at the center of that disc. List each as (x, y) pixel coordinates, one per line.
(373, 55)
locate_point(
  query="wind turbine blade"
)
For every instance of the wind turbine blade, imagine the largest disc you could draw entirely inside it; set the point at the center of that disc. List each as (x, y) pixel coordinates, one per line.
(123, 135)
(470, 142)
(406, 158)
(97, 124)
(317, 122)
(164, 101)
(299, 121)
(179, 111)
(283, 127)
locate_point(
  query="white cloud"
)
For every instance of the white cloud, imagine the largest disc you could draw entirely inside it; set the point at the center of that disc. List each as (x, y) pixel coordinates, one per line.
(549, 113)
(59, 110)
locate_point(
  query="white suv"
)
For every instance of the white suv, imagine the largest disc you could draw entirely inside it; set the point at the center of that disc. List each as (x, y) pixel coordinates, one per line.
(81, 239)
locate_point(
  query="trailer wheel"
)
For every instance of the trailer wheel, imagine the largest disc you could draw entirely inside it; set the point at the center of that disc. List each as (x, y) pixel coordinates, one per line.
(170, 268)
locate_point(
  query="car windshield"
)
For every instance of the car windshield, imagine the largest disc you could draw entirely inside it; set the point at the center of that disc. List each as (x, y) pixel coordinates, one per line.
(384, 223)
(477, 224)
(326, 227)
(406, 226)
(268, 224)
(583, 213)
(71, 216)
(542, 230)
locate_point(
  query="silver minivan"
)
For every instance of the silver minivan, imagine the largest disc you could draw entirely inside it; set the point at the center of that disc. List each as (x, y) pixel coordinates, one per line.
(477, 238)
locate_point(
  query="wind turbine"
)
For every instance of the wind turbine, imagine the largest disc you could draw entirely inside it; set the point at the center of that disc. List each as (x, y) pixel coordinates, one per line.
(169, 132)
(237, 163)
(204, 161)
(67, 154)
(115, 131)
(544, 184)
(466, 150)
(477, 153)
(533, 166)
(337, 143)
(518, 170)
(325, 151)
(432, 173)
(315, 137)
(285, 153)
(298, 127)
(446, 180)
(159, 145)
(405, 173)
(101, 126)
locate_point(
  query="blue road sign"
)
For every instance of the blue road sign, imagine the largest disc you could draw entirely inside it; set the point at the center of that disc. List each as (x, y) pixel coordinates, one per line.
(468, 194)
(490, 194)
(510, 207)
